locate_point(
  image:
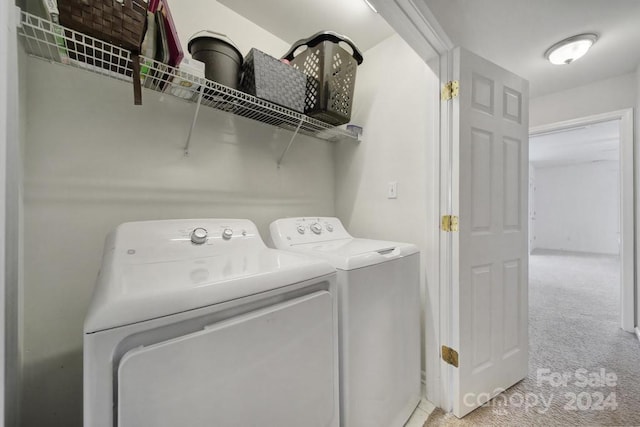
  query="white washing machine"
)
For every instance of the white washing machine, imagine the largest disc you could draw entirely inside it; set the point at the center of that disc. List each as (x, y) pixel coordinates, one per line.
(379, 317)
(197, 323)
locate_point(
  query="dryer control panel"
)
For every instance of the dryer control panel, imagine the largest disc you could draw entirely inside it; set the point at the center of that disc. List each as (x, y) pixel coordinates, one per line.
(157, 241)
(293, 231)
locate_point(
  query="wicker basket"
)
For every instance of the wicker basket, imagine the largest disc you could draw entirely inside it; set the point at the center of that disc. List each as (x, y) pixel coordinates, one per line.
(119, 22)
(267, 78)
(331, 72)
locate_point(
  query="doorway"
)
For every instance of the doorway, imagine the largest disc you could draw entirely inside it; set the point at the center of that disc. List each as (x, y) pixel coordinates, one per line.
(608, 151)
(574, 235)
(574, 190)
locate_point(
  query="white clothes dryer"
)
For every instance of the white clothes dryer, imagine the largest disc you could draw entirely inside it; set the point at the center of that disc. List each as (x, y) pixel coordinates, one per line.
(379, 317)
(197, 323)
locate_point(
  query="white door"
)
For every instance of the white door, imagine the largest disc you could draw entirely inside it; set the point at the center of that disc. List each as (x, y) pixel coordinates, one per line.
(489, 259)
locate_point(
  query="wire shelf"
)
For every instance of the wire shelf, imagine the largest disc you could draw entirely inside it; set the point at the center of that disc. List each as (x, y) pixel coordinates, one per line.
(55, 43)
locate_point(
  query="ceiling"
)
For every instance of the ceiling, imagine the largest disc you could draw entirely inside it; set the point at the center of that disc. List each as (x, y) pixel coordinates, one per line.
(511, 33)
(592, 143)
(292, 20)
(516, 33)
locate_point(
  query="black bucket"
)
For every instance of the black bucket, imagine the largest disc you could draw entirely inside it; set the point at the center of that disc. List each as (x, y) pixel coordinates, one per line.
(222, 60)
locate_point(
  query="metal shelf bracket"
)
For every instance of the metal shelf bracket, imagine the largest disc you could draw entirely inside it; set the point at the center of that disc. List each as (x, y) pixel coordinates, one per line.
(193, 123)
(284, 153)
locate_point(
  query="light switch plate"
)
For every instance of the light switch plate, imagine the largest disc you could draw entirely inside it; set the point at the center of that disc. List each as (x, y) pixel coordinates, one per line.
(392, 190)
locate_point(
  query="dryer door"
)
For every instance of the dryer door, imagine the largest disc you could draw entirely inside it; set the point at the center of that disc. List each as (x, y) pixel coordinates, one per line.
(273, 367)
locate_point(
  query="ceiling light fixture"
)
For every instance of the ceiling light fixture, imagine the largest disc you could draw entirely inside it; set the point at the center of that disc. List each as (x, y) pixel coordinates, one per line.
(372, 7)
(568, 50)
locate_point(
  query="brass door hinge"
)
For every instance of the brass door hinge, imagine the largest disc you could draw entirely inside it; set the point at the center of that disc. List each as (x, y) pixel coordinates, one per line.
(450, 356)
(449, 223)
(450, 90)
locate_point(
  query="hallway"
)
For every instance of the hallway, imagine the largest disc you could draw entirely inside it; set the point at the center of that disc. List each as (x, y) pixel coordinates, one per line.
(583, 369)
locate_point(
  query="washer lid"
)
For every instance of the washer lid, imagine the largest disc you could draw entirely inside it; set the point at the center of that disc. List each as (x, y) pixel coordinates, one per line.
(349, 254)
(153, 269)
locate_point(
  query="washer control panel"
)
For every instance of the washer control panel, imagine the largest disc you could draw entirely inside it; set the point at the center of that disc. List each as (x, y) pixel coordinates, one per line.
(292, 231)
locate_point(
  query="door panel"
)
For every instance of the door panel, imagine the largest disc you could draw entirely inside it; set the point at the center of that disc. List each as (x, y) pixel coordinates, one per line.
(511, 279)
(481, 159)
(512, 174)
(490, 251)
(481, 316)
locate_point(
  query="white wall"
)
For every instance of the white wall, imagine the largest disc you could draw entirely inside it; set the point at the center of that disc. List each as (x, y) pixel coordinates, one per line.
(578, 208)
(10, 184)
(396, 101)
(600, 97)
(195, 15)
(93, 160)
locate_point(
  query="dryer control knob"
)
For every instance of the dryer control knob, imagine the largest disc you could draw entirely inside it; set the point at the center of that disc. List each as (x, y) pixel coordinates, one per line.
(227, 234)
(199, 236)
(301, 229)
(329, 227)
(316, 228)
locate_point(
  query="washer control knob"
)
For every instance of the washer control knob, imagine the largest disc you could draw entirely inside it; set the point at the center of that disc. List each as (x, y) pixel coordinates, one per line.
(199, 236)
(329, 228)
(227, 234)
(316, 228)
(301, 229)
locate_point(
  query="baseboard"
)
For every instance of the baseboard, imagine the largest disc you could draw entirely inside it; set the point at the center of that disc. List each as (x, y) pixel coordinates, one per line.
(424, 404)
(548, 251)
(420, 414)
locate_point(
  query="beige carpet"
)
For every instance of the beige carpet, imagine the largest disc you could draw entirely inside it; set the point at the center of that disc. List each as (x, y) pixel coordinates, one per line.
(573, 324)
